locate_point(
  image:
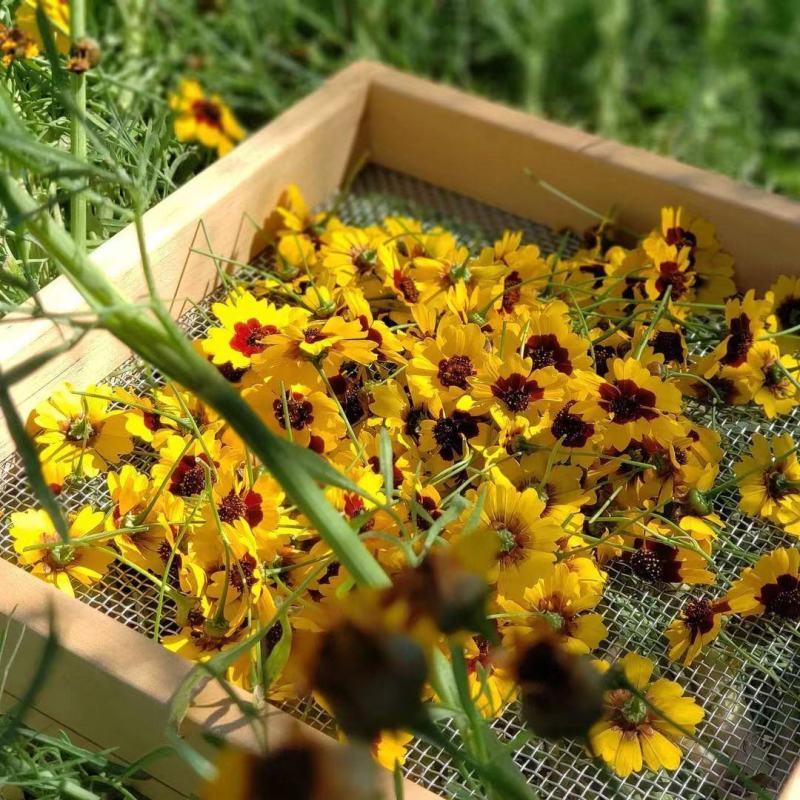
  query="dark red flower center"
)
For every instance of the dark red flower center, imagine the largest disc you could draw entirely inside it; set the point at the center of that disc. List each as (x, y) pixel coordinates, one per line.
(243, 572)
(449, 434)
(406, 286)
(571, 429)
(511, 291)
(783, 597)
(516, 392)
(455, 370)
(312, 335)
(413, 421)
(699, 617)
(247, 336)
(679, 237)
(670, 345)
(670, 274)
(300, 412)
(546, 351)
(189, 476)
(208, 112)
(232, 507)
(739, 341)
(626, 402)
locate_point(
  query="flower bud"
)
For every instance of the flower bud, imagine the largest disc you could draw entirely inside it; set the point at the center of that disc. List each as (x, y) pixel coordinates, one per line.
(83, 55)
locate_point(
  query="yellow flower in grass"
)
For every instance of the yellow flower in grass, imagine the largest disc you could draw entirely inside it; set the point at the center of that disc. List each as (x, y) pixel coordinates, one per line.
(64, 564)
(16, 45)
(80, 432)
(784, 297)
(698, 624)
(205, 119)
(634, 733)
(771, 586)
(58, 14)
(633, 403)
(527, 541)
(557, 603)
(769, 479)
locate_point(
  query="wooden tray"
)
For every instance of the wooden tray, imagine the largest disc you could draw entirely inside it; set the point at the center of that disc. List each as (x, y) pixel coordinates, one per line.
(112, 686)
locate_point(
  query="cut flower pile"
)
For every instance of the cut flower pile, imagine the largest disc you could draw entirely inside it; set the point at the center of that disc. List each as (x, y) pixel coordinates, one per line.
(511, 426)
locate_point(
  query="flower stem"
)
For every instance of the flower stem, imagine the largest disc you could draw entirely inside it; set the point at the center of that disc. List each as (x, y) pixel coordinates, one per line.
(78, 205)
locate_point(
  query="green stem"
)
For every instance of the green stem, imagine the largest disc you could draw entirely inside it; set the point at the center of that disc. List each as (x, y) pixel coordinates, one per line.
(78, 205)
(161, 343)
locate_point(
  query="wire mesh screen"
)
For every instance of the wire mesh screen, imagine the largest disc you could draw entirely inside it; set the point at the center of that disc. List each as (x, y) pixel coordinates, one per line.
(748, 689)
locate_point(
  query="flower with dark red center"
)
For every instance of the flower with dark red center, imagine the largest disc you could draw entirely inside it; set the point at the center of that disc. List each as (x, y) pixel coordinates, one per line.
(602, 353)
(299, 411)
(313, 334)
(406, 286)
(351, 395)
(455, 370)
(739, 341)
(413, 421)
(208, 112)
(679, 237)
(671, 275)
(432, 510)
(231, 373)
(248, 335)
(788, 313)
(782, 597)
(244, 572)
(231, 507)
(516, 392)
(511, 291)
(655, 562)
(450, 432)
(189, 476)
(627, 402)
(670, 345)
(544, 350)
(699, 617)
(570, 429)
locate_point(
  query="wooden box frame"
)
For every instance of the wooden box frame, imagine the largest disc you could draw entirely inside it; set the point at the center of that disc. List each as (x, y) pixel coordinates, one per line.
(113, 686)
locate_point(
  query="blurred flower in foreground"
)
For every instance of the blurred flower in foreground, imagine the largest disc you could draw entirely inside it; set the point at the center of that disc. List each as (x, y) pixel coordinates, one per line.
(561, 691)
(63, 563)
(204, 119)
(57, 12)
(15, 44)
(639, 728)
(301, 769)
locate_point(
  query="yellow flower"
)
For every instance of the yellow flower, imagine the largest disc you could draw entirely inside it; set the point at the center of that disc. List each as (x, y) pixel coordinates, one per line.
(634, 403)
(58, 14)
(390, 748)
(769, 479)
(746, 320)
(204, 119)
(527, 541)
(772, 586)
(670, 269)
(80, 432)
(634, 733)
(784, 298)
(442, 370)
(557, 603)
(16, 45)
(490, 688)
(773, 388)
(64, 563)
(699, 623)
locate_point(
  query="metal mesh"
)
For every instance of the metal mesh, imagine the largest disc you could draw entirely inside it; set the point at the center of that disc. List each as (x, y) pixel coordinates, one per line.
(752, 711)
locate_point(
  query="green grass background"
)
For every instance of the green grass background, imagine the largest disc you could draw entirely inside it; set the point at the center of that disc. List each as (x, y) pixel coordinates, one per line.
(711, 82)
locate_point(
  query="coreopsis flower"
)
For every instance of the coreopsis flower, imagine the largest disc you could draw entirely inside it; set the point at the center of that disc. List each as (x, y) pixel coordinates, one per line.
(774, 379)
(669, 269)
(711, 265)
(771, 586)
(639, 729)
(61, 563)
(746, 320)
(185, 468)
(80, 432)
(547, 339)
(58, 14)
(769, 479)
(784, 299)
(558, 602)
(304, 414)
(16, 45)
(633, 403)
(442, 370)
(491, 686)
(657, 561)
(204, 118)
(136, 504)
(698, 624)
(526, 540)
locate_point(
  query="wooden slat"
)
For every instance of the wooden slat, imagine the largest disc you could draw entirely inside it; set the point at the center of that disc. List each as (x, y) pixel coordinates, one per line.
(312, 145)
(482, 150)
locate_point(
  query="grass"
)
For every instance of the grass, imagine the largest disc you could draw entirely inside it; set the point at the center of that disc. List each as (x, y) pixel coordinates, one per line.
(712, 83)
